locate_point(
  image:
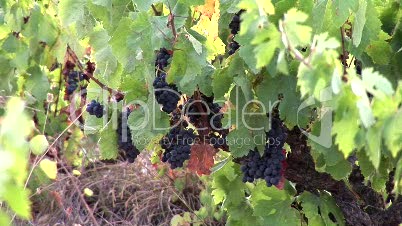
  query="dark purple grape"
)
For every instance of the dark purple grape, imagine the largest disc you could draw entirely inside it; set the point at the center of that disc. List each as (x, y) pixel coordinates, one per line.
(95, 108)
(125, 141)
(178, 148)
(166, 94)
(268, 166)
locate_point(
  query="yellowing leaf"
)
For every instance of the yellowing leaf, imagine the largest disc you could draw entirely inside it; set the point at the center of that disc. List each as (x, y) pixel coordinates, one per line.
(267, 6)
(297, 34)
(49, 167)
(208, 26)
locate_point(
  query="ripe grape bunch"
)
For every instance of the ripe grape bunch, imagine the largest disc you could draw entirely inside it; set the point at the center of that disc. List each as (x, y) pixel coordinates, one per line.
(166, 94)
(177, 145)
(269, 165)
(162, 59)
(207, 105)
(95, 108)
(72, 81)
(233, 46)
(235, 23)
(234, 29)
(358, 66)
(124, 137)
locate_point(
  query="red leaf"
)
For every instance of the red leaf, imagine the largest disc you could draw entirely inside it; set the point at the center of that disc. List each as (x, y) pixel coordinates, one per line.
(281, 183)
(201, 159)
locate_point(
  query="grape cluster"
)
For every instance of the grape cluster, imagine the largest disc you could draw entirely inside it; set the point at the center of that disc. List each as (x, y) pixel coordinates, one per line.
(124, 137)
(162, 58)
(166, 94)
(72, 81)
(95, 108)
(233, 46)
(193, 112)
(358, 66)
(177, 145)
(269, 165)
(234, 29)
(235, 23)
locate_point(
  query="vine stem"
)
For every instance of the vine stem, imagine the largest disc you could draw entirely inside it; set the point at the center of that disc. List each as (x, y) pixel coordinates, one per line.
(89, 74)
(156, 12)
(285, 39)
(171, 23)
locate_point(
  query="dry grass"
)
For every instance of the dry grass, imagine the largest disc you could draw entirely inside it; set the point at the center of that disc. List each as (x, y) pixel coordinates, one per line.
(123, 194)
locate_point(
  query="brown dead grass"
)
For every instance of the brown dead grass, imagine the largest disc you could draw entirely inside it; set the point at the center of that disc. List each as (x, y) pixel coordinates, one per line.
(123, 194)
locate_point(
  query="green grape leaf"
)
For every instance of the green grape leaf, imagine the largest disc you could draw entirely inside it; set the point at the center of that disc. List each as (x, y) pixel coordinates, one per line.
(346, 124)
(380, 176)
(340, 170)
(264, 50)
(134, 84)
(297, 34)
(331, 155)
(341, 10)
(313, 77)
(373, 139)
(221, 82)
(325, 204)
(380, 51)
(144, 5)
(370, 31)
(37, 83)
(41, 27)
(269, 91)
(273, 205)
(71, 11)
(147, 122)
(186, 65)
(227, 185)
(108, 145)
(392, 134)
(119, 41)
(317, 15)
(398, 176)
(366, 166)
(359, 23)
(240, 142)
(375, 83)
(103, 2)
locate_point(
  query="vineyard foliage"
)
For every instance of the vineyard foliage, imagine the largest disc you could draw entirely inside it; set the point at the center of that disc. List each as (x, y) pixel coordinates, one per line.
(329, 70)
